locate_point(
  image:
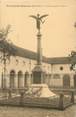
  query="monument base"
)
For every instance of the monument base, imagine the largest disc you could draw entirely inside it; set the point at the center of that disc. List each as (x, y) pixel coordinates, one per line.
(38, 75)
(42, 90)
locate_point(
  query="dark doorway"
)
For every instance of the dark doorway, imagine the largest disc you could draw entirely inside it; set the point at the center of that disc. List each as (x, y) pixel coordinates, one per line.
(20, 76)
(12, 79)
(26, 78)
(66, 81)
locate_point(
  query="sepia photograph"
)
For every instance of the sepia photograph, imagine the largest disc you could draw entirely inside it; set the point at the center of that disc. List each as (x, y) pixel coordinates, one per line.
(37, 58)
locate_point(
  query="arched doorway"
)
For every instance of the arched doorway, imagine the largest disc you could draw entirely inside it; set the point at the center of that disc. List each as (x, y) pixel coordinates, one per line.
(66, 81)
(20, 79)
(26, 79)
(75, 81)
(12, 79)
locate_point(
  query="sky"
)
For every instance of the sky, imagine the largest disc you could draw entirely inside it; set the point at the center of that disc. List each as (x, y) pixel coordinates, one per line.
(58, 31)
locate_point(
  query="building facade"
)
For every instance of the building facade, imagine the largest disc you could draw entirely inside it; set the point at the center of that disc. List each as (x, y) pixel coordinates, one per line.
(19, 70)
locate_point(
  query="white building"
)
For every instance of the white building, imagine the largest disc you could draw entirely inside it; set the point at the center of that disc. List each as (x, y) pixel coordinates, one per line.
(19, 70)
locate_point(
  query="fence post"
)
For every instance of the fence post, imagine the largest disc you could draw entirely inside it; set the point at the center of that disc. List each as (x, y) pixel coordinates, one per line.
(61, 104)
(9, 94)
(21, 97)
(72, 97)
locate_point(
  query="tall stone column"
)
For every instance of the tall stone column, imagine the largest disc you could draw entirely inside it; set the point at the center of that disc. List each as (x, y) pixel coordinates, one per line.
(38, 72)
(39, 50)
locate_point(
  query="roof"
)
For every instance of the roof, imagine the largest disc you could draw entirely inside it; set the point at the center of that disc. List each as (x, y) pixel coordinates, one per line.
(59, 60)
(62, 60)
(27, 53)
(18, 51)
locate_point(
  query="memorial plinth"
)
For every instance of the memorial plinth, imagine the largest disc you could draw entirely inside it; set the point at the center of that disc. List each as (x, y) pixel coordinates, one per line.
(38, 75)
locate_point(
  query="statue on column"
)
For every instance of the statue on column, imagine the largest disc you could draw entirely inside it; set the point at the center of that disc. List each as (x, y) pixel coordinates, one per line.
(39, 20)
(38, 69)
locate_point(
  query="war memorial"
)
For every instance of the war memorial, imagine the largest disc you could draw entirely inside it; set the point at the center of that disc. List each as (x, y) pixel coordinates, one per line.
(33, 91)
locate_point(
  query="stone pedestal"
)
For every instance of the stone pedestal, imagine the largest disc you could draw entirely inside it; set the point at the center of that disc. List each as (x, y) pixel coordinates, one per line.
(38, 75)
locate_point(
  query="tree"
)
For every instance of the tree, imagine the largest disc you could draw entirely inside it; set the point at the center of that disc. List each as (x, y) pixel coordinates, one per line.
(7, 50)
(72, 59)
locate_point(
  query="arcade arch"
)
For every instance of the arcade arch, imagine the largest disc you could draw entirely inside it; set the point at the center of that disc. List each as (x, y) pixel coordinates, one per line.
(12, 78)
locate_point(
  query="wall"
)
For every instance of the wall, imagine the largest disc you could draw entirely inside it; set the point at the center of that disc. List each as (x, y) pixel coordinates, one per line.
(54, 73)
